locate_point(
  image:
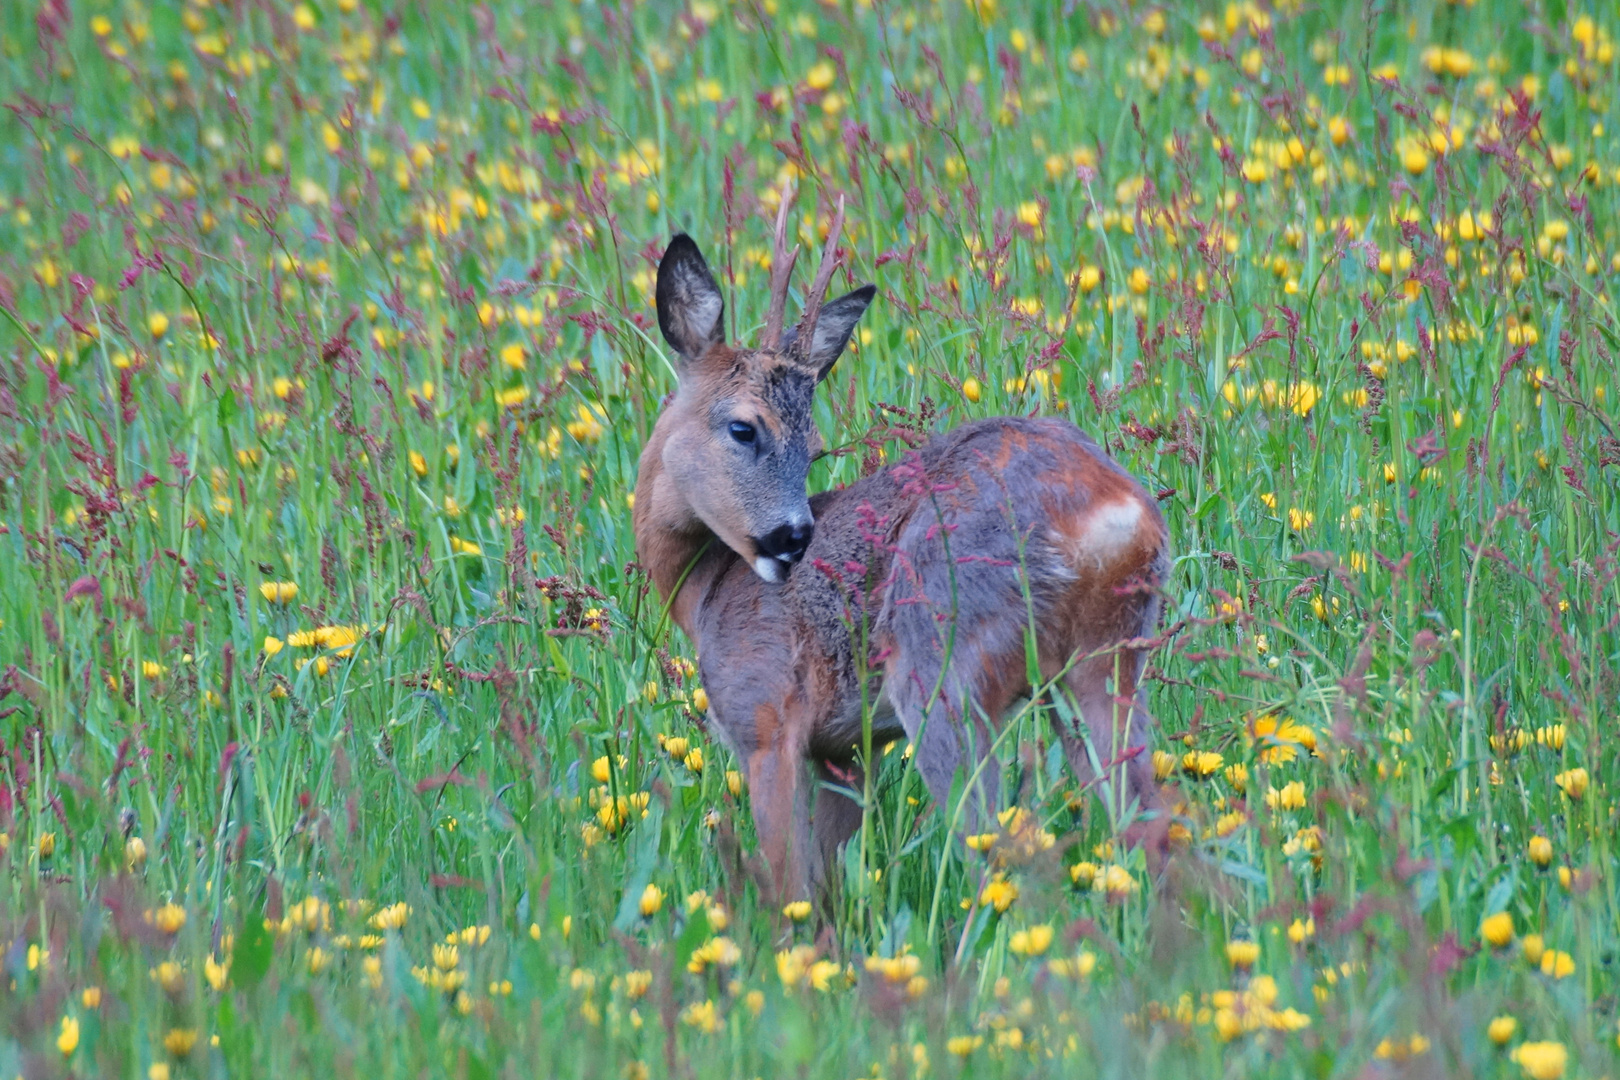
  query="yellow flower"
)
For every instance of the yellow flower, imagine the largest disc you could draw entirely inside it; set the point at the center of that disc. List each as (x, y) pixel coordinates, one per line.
(798, 910)
(963, 1045)
(1557, 965)
(1573, 781)
(1290, 797)
(47, 845)
(1534, 948)
(91, 997)
(1075, 967)
(279, 592)
(1541, 1060)
(68, 1040)
(1501, 1030)
(418, 464)
(1298, 931)
(1497, 930)
(134, 852)
(1541, 851)
(514, 357)
(700, 701)
(391, 917)
(157, 324)
(169, 918)
(1117, 882)
(702, 1016)
(999, 893)
(1281, 739)
(179, 1041)
(216, 972)
(1032, 942)
(717, 951)
(1242, 954)
(971, 390)
(652, 899)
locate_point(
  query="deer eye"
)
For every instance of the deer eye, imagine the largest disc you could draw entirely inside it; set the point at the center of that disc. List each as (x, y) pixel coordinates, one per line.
(743, 433)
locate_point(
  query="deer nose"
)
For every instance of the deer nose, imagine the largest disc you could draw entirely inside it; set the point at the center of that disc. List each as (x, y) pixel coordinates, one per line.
(786, 543)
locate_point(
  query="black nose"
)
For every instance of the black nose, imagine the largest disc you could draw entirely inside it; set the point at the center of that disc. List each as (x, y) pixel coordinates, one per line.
(785, 542)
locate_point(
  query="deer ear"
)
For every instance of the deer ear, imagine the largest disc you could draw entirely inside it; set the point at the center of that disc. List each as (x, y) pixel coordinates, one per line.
(691, 311)
(833, 327)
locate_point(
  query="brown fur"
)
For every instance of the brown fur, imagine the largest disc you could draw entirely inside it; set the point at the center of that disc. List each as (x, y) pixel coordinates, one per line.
(944, 557)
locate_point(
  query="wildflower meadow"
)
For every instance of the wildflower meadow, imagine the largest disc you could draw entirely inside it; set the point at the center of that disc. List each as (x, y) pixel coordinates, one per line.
(341, 733)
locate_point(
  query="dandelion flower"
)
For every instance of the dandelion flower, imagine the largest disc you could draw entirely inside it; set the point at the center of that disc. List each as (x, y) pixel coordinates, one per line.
(1573, 782)
(1033, 941)
(1497, 930)
(1242, 954)
(1541, 1060)
(279, 592)
(179, 1041)
(652, 899)
(68, 1040)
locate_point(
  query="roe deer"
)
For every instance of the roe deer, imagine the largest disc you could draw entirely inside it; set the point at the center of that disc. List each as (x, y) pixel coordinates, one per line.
(951, 557)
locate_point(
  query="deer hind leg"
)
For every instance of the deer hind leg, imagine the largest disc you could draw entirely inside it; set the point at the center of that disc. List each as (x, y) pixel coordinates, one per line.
(940, 716)
(1115, 720)
(835, 819)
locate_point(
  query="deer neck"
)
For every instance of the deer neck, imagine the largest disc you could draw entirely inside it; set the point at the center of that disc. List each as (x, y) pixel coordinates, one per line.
(679, 552)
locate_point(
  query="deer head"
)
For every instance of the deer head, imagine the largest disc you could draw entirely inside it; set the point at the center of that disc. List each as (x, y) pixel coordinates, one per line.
(740, 432)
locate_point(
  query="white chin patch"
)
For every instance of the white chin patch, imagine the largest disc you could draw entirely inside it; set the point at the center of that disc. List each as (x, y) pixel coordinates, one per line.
(770, 569)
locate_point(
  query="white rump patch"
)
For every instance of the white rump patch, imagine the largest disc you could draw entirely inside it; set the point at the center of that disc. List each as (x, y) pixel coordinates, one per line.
(1110, 531)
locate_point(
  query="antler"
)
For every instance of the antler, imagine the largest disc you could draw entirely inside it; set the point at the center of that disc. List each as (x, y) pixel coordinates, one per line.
(782, 261)
(818, 290)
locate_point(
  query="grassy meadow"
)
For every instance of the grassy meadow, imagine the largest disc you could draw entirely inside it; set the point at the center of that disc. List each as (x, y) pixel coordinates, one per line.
(342, 735)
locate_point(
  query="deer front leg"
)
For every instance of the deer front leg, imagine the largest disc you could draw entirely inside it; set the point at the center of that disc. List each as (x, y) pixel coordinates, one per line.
(780, 799)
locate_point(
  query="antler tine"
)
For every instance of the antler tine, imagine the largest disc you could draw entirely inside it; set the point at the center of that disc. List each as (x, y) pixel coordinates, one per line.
(818, 289)
(782, 261)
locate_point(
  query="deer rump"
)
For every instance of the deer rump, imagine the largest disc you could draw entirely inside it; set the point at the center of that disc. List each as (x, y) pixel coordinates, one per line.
(939, 570)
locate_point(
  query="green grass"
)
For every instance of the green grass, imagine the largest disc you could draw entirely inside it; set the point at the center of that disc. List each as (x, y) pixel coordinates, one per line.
(238, 242)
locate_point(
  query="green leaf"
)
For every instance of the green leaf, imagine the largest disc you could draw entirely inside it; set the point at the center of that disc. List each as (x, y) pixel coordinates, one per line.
(646, 861)
(250, 960)
(696, 933)
(227, 409)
